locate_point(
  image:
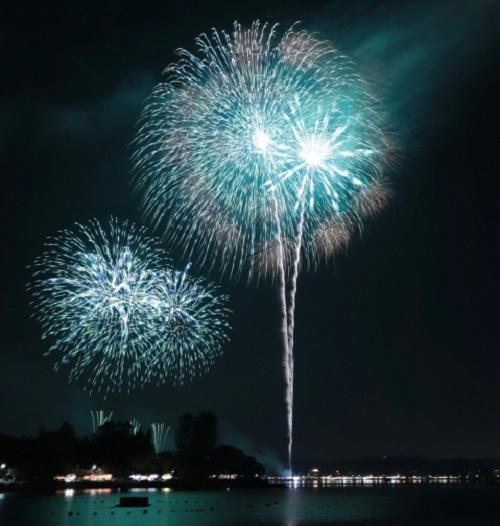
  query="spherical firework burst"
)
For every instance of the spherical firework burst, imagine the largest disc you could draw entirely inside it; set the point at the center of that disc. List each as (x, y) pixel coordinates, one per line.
(256, 138)
(107, 297)
(194, 326)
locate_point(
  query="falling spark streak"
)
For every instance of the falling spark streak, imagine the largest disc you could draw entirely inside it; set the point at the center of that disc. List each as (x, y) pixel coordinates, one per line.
(159, 436)
(260, 155)
(98, 419)
(136, 426)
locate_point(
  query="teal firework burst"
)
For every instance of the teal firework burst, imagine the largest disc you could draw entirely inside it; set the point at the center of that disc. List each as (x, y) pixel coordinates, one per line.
(106, 298)
(257, 140)
(192, 331)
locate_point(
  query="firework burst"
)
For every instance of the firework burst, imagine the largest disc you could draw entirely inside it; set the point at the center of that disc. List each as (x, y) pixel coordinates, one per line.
(260, 155)
(252, 132)
(107, 299)
(193, 329)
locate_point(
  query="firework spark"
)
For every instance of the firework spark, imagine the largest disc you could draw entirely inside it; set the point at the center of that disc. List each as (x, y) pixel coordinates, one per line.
(159, 437)
(98, 419)
(109, 301)
(261, 155)
(135, 425)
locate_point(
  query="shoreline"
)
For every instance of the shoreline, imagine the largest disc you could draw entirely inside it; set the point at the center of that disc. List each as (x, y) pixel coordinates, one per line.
(217, 485)
(188, 485)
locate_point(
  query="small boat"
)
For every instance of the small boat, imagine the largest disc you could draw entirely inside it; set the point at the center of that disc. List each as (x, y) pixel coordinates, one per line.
(133, 502)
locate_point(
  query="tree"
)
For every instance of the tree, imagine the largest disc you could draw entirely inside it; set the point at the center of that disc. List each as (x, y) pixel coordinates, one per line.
(196, 434)
(116, 448)
(184, 432)
(229, 460)
(195, 437)
(54, 451)
(204, 435)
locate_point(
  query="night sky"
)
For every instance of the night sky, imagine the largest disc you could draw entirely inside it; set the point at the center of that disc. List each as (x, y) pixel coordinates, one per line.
(396, 342)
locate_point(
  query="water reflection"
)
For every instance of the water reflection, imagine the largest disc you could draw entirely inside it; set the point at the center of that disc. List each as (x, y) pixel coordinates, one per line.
(97, 491)
(422, 505)
(327, 505)
(291, 507)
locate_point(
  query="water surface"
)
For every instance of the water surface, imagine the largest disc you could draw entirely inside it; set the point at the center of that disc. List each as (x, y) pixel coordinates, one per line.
(461, 505)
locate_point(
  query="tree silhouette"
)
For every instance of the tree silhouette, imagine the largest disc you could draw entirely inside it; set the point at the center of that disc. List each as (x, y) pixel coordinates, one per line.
(116, 448)
(194, 439)
(229, 460)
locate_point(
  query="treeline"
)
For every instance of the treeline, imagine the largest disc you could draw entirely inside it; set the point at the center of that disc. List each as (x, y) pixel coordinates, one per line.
(115, 448)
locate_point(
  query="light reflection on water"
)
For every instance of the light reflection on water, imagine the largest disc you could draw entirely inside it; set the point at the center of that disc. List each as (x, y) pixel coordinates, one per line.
(344, 507)
(457, 506)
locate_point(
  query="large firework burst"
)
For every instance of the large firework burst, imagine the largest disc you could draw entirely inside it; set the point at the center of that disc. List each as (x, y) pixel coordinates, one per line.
(261, 155)
(107, 299)
(249, 135)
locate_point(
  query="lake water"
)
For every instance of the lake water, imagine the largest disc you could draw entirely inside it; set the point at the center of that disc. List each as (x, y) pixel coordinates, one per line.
(426, 505)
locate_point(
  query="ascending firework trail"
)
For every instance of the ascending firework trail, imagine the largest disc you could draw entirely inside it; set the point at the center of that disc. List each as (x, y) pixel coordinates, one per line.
(260, 155)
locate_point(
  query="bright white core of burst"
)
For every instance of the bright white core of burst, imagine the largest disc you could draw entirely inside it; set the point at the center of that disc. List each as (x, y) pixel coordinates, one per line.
(314, 152)
(261, 140)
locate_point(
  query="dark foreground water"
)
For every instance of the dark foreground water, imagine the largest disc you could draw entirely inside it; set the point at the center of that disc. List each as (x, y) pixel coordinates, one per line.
(408, 505)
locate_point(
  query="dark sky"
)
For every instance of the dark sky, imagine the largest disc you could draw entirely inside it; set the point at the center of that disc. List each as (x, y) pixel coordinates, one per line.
(396, 341)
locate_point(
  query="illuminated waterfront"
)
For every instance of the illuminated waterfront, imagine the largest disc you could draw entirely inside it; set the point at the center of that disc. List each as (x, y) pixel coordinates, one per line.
(369, 480)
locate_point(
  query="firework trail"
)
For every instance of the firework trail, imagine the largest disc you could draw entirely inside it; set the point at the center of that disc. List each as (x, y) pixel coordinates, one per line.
(260, 155)
(108, 299)
(288, 357)
(135, 425)
(159, 436)
(98, 419)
